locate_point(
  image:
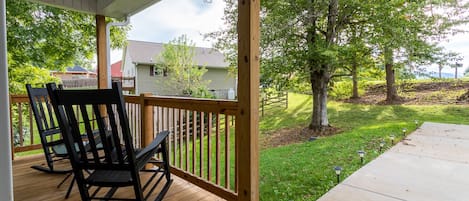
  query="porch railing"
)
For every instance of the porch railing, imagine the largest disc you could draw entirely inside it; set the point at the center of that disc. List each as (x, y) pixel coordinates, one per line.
(202, 143)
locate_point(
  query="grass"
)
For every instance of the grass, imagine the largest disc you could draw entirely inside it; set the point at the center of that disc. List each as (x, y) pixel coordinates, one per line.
(304, 171)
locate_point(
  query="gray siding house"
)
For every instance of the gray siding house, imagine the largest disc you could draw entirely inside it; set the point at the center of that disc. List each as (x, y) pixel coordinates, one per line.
(138, 61)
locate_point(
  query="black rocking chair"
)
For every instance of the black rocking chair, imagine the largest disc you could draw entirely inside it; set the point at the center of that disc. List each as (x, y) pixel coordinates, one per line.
(49, 133)
(118, 164)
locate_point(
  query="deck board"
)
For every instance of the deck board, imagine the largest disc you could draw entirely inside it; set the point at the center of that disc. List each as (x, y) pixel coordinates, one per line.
(33, 185)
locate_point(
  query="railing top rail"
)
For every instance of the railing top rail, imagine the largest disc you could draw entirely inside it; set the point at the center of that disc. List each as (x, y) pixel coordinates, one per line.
(198, 104)
(19, 98)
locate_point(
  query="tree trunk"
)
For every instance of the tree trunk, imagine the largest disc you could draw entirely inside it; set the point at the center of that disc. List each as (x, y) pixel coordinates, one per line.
(456, 73)
(319, 81)
(354, 81)
(319, 72)
(391, 91)
(439, 71)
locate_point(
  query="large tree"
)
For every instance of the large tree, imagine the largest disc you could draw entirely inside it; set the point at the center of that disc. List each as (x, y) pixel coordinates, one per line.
(49, 38)
(307, 38)
(406, 32)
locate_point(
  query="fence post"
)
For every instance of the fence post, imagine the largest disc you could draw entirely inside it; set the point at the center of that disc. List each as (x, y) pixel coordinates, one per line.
(286, 100)
(262, 105)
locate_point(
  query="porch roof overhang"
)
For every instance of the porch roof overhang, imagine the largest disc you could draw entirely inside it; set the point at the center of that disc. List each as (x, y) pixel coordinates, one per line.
(111, 8)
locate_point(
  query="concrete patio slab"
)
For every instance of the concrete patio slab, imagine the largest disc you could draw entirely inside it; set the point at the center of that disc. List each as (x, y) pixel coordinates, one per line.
(433, 165)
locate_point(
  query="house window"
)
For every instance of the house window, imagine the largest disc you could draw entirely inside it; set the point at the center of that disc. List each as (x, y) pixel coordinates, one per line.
(158, 70)
(152, 71)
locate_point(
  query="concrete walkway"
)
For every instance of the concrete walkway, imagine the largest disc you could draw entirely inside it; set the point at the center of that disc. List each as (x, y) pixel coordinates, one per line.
(432, 165)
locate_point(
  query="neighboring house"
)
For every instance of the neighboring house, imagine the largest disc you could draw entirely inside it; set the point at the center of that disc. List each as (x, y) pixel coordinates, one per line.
(76, 77)
(128, 85)
(139, 62)
(75, 72)
(116, 70)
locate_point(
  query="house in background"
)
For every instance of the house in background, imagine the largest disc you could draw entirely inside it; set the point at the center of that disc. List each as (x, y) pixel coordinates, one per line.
(73, 73)
(116, 70)
(138, 61)
(128, 83)
(77, 77)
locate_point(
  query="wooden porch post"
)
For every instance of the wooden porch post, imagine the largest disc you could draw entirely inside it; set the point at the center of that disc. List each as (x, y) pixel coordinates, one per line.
(147, 121)
(101, 51)
(247, 121)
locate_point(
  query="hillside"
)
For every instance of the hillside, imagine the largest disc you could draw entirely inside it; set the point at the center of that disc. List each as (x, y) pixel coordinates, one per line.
(419, 93)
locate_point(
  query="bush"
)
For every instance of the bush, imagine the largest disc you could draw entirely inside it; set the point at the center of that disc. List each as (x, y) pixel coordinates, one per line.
(343, 90)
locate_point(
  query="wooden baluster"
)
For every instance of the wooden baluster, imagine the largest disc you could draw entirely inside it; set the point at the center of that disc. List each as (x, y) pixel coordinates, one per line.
(217, 150)
(173, 128)
(227, 152)
(194, 139)
(187, 133)
(180, 138)
(170, 136)
(209, 147)
(31, 125)
(201, 147)
(20, 123)
(236, 162)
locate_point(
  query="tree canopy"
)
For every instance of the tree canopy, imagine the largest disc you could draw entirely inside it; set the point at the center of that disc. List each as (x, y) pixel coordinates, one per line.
(316, 41)
(40, 36)
(184, 76)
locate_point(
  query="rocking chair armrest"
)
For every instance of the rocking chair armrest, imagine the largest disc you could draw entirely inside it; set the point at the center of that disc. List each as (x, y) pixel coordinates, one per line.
(153, 146)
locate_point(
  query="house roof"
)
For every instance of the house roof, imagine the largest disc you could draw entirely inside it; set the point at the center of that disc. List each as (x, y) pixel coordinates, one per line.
(111, 8)
(77, 69)
(145, 52)
(116, 69)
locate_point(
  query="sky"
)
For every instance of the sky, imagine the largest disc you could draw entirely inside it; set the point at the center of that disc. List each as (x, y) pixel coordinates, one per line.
(169, 19)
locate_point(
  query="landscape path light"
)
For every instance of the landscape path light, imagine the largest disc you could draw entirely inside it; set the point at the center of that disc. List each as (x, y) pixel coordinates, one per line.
(392, 139)
(404, 131)
(338, 170)
(416, 123)
(381, 145)
(361, 153)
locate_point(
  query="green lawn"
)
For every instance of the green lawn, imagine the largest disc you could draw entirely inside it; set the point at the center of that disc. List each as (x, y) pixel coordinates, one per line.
(304, 171)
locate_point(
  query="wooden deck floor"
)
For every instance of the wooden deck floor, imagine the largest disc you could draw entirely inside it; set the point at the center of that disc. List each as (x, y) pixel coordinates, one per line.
(32, 185)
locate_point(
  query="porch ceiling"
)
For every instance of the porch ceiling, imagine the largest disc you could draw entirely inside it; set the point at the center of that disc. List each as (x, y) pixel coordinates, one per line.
(110, 8)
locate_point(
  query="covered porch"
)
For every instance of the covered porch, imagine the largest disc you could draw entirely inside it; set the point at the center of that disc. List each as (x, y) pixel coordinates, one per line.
(213, 145)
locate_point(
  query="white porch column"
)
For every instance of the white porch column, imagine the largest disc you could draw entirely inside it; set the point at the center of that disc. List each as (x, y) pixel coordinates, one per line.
(6, 177)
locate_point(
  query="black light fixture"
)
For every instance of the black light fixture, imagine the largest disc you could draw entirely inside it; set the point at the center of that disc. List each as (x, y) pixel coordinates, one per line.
(416, 123)
(392, 138)
(404, 131)
(361, 153)
(381, 145)
(338, 170)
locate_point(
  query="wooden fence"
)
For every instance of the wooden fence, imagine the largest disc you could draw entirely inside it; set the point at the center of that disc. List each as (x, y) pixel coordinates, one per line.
(272, 100)
(80, 83)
